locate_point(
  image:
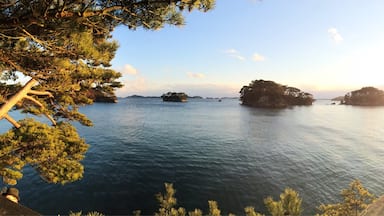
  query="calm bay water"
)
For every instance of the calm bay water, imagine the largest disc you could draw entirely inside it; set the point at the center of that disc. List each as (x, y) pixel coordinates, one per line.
(214, 150)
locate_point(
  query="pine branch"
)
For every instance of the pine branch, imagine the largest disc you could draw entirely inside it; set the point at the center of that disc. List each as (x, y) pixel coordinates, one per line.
(12, 121)
(18, 97)
(40, 93)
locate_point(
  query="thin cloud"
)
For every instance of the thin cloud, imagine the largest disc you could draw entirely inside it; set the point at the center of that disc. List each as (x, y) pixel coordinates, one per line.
(258, 58)
(335, 35)
(195, 75)
(129, 70)
(133, 81)
(231, 51)
(234, 54)
(133, 86)
(241, 58)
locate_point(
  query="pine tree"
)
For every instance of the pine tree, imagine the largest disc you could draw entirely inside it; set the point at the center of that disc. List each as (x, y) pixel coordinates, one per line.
(289, 204)
(213, 208)
(355, 199)
(168, 203)
(65, 49)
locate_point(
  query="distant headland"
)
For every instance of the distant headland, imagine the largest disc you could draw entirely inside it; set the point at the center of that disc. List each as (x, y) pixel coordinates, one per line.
(140, 96)
(269, 94)
(189, 97)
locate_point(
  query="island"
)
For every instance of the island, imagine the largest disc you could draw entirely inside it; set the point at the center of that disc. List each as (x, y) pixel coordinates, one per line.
(268, 94)
(98, 95)
(175, 97)
(338, 98)
(366, 96)
(135, 96)
(195, 97)
(140, 96)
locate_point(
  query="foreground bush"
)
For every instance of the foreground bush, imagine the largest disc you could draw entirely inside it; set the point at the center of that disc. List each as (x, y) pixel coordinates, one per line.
(356, 198)
(289, 204)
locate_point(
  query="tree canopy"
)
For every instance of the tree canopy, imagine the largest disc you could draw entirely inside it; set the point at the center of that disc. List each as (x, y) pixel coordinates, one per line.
(356, 198)
(268, 94)
(64, 48)
(366, 96)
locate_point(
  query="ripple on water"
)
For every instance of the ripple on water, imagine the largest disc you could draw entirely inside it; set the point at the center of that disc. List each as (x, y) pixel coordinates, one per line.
(220, 151)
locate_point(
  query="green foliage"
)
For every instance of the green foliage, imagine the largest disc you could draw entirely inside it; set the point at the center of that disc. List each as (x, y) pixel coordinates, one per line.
(75, 213)
(168, 202)
(261, 93)
(136, 213)
(355, 199)
(54, 152)
(289, 204)
(37, 35)
(88, 214)
(6, 90)
(213, 208)
(66, 47)
(196, 212)
(250, 211)
(94, 214)
(275, 208)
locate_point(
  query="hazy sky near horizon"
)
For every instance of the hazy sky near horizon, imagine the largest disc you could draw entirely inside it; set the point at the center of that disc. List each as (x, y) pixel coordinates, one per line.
(324, 47)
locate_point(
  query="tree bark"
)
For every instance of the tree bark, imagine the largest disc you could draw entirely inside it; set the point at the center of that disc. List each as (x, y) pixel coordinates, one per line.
(19, 96)
(16, 98)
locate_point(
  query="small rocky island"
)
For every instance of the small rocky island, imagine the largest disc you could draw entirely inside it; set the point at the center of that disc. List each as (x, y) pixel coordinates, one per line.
(366, 96)
(101, 96)
(175, 97)
(268, 94)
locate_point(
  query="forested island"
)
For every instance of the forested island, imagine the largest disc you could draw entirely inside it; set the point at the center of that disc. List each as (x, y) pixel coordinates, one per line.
(175, 97)
(268, 94)
(366, 96)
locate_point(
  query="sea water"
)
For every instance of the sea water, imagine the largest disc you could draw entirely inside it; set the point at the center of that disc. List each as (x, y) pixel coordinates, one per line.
(213, 150)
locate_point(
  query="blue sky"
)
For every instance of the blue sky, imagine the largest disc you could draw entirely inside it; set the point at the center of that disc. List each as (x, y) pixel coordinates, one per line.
(324, 47)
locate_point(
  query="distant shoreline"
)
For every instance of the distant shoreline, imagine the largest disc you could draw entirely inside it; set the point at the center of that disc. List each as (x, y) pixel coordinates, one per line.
(190, 97)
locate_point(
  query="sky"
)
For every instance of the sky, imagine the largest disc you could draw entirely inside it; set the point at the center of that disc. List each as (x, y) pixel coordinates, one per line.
(325, 47)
